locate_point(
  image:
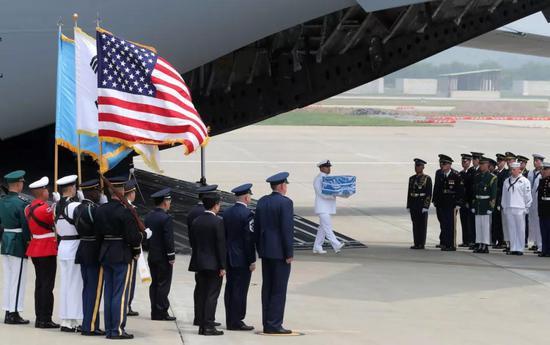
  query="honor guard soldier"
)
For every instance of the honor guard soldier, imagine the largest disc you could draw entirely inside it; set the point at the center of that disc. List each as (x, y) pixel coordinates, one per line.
(43, 252)
(87, 256)
(483, 204)
(208, 261)
(14, 245)
(241, 257)
(523, 164)
(130, 195)
(516, 200)
(274, 231)
(502, 172)
(196, 211)
(448, 194)
(70, 293)
(325, 206)
(543, 196)
(162, 254)
(419, 198)
(467, 174)
(534, 177)
(120, 239)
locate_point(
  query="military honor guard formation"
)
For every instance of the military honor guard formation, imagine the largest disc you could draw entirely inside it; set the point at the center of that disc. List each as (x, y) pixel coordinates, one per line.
(500, 203)
(95, 242)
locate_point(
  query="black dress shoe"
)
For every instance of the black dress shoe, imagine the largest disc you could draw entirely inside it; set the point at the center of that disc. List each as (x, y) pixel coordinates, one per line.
(68, 329)
(211, 331)
(534, 248)
(277, 331)
(463, 245)
(46, 324)
(124, 335)
(97, 332)
(241, 327)
(449, 249)
(15, 319)
(132, 312)
(438, 245)
(164, 318)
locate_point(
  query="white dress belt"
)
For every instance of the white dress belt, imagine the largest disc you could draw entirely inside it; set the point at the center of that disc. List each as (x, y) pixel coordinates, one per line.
(48, 235)
(545, 198)
(483, 197)
(17, 231)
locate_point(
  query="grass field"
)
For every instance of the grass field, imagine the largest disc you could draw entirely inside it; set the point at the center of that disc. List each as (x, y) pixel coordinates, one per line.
(321, 118)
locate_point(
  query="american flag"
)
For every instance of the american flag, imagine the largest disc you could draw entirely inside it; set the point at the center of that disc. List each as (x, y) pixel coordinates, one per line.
(142, 98)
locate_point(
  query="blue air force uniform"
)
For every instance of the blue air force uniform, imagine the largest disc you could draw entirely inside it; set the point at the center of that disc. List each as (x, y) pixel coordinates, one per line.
(274, 232)
(87, 256)
(120, 243)
(161, 256)
(239, 229)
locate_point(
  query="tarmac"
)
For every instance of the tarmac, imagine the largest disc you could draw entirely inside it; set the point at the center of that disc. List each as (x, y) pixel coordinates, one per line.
(384, 294)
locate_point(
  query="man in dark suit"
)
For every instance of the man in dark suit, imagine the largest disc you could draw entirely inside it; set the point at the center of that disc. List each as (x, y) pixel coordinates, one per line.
(196, 211)
(161, 255)
(274, 230)
(117, 230)
(208, 260)
(239, 227)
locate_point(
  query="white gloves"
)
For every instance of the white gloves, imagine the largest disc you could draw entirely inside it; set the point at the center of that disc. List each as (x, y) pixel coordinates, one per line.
(526, 211)
(103, 199)
(498, 208)
(489, 212)
(56, 196)
(424, 210)
(148, 233)
(473, 210)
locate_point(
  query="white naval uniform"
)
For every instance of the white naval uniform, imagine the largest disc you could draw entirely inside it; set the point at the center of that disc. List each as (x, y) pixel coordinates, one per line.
(534, 177)
(70, 293)
(516, 200)
(325, 205)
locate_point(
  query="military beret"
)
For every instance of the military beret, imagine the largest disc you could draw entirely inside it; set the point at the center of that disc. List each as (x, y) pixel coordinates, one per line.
(15, 176)
(522, 158)
(67, 180)
(466, 156)
(324, 163)
(90, 184)
(162, 194)
(419, 161)
(445, 159)
(538, 156)
(278, 178)
(130, 186)
(242, 189)
(43, 182)
(476, 155)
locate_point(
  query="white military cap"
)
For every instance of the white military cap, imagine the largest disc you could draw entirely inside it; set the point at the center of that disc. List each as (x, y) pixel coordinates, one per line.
(546, 165)
(67, 180)
(43, 182)
(538, 156)
(515, 165)
(324, 162)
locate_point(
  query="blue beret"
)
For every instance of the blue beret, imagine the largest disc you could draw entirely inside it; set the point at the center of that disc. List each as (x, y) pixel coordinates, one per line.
(15, 176)
(90, 184)
(242, 189)
(279, 178)
(206, 189)
(164, 193)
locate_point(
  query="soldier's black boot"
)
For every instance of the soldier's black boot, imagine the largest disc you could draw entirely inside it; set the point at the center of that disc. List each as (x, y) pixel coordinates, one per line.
(15, 319)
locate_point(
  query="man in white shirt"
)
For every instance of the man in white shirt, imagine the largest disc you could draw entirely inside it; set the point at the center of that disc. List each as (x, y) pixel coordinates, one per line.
(70, 293)
(534, 177)
(516, 200)
(325, 206)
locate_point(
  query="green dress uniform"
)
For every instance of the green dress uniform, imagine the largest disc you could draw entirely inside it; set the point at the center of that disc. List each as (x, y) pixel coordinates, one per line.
(483, 205)
(419, 198)
(15, 239)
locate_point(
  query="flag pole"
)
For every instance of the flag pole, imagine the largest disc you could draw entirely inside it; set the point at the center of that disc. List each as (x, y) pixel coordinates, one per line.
(56, 147)
(100, 161)
(79, 151)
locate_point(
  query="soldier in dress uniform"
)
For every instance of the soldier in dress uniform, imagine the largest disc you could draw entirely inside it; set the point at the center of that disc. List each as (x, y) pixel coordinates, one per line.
(325, 206)
(525, 172)
(14, 245)
(70, 292)
(501, 173)
(476, 156)
(534, 177)
(492, 165)
(87, 256)
(121, 240)
(196, 211)
(483, 204)
(43, 252)
(208, 261)
(467, 175)
(516, 200)
(241, 257)
(448, 194)
(274, 231)
(419, 198)
(543, 196)
(510, 159)
(130, 195)
(162, 254)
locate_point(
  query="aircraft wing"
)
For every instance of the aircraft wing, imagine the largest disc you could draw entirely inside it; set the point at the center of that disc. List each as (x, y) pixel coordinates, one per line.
(512, 42)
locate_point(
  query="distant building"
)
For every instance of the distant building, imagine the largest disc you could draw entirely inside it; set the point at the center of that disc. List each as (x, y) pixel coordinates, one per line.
(409, 86)
(531, 87)
(375, 87)
(472, 84)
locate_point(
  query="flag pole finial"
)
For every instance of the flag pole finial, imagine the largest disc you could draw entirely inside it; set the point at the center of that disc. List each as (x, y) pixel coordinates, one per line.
(97, 20)
(75, 19)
